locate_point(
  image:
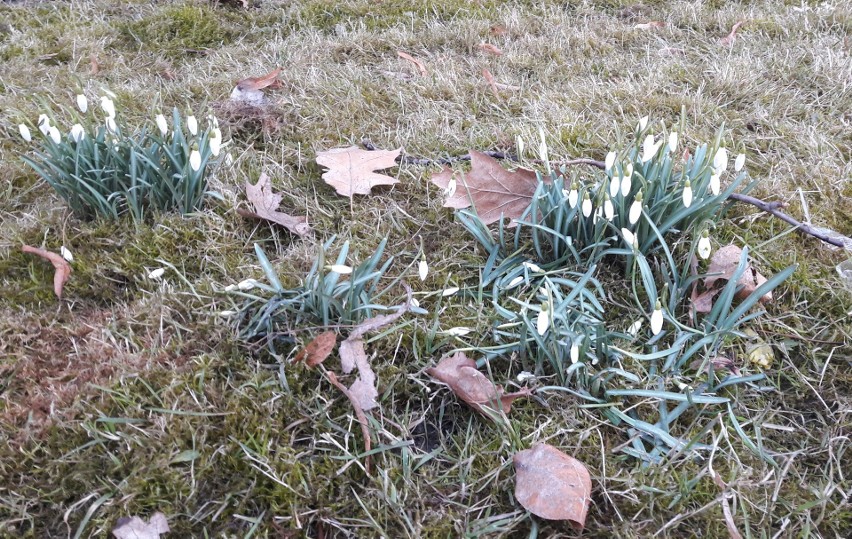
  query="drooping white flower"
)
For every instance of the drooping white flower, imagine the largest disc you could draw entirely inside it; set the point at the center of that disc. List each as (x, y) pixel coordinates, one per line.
(650, 148)
(673, 141)
(515, 282)
(215, 141)
(687, 194)
(156, 274)
(162, 125)
(423, 269)
(340, 269)
(629, 236)
(720, 160)
(587, 205)
(532, 266)
(543, 320)
(635, 327)
(43, 124)
(573, 194)
(598, 213)
(226, 314)
(110, 124)
(195, 158)
(82, 103)
(715, 184)
(627, 183)
(108, 106)
(704, 247)
(643, 123)
(247, 284)
(451, 188)
(458, 331)
(192, 124)
(449, 291)
(66, 254)
(614, 186)
(25, 132)
(54, 134)
(542, 147)
(610, 160)
(657, 318)
(575, 351)
(740, 161)
(77, 133)
(608, 209)
(635, 211)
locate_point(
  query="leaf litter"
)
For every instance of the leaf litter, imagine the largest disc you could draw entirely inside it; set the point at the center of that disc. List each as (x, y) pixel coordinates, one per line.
(459, 372)
(62, 268)
(723, 265)
(351, 171)
(266, 203)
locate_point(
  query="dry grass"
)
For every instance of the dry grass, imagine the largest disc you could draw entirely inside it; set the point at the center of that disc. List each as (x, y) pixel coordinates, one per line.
(102, 392)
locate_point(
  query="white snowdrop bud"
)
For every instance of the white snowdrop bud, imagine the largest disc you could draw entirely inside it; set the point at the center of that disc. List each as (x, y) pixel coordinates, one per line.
(687, 194)
(25, 132)
(739, 163)
(587, 205)
(192, 124)
(54, 134)
(82, 103)
(162, 125)
(156, 274)
(610, 160)
(423, 269)
(657, 318)
(673, 141)
(66, 254)
(77, 133)
(704, 247)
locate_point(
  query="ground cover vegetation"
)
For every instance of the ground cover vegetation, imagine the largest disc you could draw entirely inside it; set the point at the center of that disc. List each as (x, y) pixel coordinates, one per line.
(236, 335)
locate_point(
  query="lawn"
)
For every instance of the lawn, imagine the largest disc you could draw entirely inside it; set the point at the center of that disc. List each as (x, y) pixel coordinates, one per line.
(142, 391)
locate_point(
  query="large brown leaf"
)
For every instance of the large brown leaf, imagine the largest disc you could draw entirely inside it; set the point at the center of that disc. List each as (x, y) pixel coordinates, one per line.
(725, 261)
(266, 203)
(62, 268)
(470, 385)
(351, 171)
(552, 485)
(491, 189)
(318, 349)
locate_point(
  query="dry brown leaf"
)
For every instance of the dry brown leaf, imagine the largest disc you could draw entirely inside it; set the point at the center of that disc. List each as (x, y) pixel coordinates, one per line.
(94, 66)
(266, 203)
(552, 485)
(470, 385)
(650, 25)
(492, 190)
(703, 303)
(491, 49)
(250, 90)
(725, 261)
(351, 170)
(63, 269)
(498, 30)
(728, 40)
(318, 349)
(136, 528)
(491, 82)
(413, 60)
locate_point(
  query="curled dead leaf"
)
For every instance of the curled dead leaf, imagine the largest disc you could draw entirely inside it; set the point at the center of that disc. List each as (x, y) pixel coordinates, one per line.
(62, 268)
(725, 262)
(469, 384)
(552, 485)
(266, 205)
(491, 49)
(417, 63)
(351, 171)
(318, 349)
(728, 40)
(250, 90)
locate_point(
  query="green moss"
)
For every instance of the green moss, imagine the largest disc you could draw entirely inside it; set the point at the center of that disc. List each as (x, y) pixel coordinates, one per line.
(181, 30)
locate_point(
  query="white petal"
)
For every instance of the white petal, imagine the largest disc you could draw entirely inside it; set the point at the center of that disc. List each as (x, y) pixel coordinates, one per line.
(715, 184)
(610, 160)
(687, 196)
(108, 106)
(54, 134)
(704, 247)
(66, 254)
(78, 133)
(738, 164)
(626, 185)
(110, 124)
(635, 212)
(157, 273)
(226, 314)
(515, 282)
(532, 267)
(525, 376)
(572, 198)
(543, 321)
(195, 160)
(340, 268)
(423, 270)
(649, 149)
(192, 125)
(458, 331)
(629, 237)
(614, 186)
(43, 124)
(587, 207)
(609, 210)
(673, 141)
(82, 103)
(25, 132)
(451, 188)
(230, 288)
(657, 321)
(575, 352)
(720, 160)
(635, 327)
(643, 123)
(450, 291)
(247, 284)
(162, 125)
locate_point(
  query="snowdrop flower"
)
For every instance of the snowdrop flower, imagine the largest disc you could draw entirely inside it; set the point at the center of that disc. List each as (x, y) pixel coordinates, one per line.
(687, 194)
(458, 331)
(110, 124)
(195, 158)
(532, 267)
(715, 184)
(635, 327)
(66, 254)
(192, 124)
(657, 318)
(247, 284)
(162, 125)
(82, 103)
(720, 160)
(650, 148)
(215, 141)
(25, 132)
(449, 291)
(230, 288)
(610, 160)
(614, 186)
(629, 237)
(608, 209)
(156, 274)
(573, 194)
(226, 314)
(340, 269)
(108, 106)
(78, 133)
(626, 183)
(543, 320)
(43, 124)
(740, 161)
(673, 141)
(54, 134)
(542, 147)
(635, 211)
(515, 282)
(598, 213)
(704, 245)
(213, 120)
(587, 205)
(575, 352)
(643, 123)
(451, 188)
(423, 269)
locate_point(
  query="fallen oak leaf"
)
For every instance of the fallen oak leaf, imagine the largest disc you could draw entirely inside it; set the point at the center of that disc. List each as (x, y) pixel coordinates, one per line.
(492, 190)
(413, 60)
(491, 49)
(266, 205)
(318, 349)
(351, 171)
(63, 269)
(725, 262)
(552, 485)
(728, 40)
(136, 528)
(459, 372)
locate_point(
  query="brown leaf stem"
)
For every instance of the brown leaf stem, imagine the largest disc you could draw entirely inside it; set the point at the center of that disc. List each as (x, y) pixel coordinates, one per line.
(359, 413)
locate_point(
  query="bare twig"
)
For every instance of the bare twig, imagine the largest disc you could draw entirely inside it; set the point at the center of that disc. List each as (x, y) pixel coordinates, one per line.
(772, 208)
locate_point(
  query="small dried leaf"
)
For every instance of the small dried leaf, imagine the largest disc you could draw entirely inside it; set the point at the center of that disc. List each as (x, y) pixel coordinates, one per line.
(351, 170)
(759, 351)
(650, 25)
(728, 40)
(703, 303)
(498, 30)
(136, 528)
(552, 485)
(725, 261)
(494, 191)
(94, 66)
(63, 269)
(270, 80)
(469, 384)
(415, 61)
(491, 82)
(318, 349)
(491, 49)
(266, 205)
